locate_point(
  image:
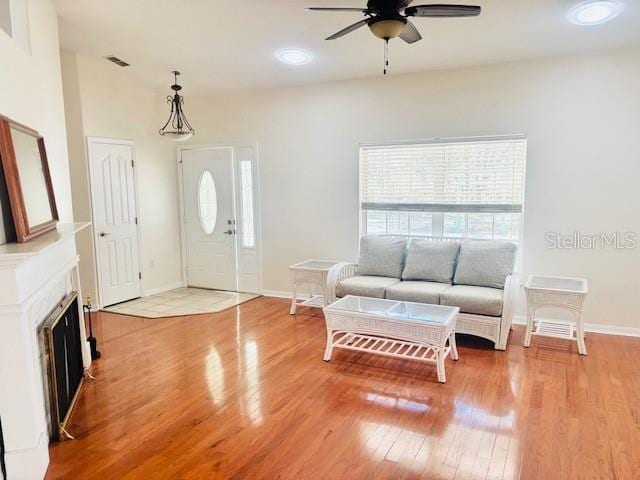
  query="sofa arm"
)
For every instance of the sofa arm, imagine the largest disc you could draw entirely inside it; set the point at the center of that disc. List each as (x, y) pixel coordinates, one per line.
(347, 270)
(340, 272)
(509, 305)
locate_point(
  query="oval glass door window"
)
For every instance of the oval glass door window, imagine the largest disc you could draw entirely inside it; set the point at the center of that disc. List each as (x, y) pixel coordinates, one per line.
(207, 202)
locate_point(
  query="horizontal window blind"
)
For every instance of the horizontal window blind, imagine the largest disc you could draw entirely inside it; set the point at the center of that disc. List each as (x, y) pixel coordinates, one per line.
(480, 176)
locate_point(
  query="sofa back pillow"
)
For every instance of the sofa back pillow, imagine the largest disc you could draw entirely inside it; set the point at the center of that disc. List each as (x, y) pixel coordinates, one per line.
(381, 256)
(430, 260)
(484, 263)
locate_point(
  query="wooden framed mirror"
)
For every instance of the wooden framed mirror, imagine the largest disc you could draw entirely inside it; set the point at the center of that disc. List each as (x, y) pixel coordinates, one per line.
(28, 180)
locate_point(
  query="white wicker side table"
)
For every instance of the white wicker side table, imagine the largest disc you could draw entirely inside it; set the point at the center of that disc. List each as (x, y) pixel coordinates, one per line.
(556, 292)
(313, 272)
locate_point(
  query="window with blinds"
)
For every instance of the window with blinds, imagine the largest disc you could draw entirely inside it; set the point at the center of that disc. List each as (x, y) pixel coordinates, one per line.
(466, 188)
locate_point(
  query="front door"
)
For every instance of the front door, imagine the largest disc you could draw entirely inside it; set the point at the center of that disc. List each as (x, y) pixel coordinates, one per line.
(210, 230)
(114, 220)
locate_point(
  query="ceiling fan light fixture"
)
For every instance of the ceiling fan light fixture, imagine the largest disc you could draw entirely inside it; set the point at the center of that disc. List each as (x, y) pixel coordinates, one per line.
(387, 29)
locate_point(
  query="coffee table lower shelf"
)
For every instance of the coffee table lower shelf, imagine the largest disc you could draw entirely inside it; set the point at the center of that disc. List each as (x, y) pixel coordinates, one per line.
(390, 347)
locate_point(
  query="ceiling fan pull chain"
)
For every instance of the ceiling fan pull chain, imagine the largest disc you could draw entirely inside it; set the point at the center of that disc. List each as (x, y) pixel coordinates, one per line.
(386, 55)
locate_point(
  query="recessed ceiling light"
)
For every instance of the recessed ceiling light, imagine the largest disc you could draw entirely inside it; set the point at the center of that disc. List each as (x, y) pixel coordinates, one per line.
(595, 12)
(294, 56)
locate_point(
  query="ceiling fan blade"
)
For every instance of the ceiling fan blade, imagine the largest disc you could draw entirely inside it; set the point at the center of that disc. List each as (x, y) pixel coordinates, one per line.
(438, 10)
(329, 9)
(349, 29)
(410, 34)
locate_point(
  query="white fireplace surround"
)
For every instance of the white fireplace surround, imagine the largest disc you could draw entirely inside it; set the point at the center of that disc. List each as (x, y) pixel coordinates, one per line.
(34, 278)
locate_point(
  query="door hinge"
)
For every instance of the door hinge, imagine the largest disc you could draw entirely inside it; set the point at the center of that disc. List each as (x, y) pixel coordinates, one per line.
(133, 164)
(136, 220)
(140, 275)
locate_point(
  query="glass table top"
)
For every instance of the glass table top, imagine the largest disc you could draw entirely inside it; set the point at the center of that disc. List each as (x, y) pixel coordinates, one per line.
(316, 264)
(577, 285)
(418, 312)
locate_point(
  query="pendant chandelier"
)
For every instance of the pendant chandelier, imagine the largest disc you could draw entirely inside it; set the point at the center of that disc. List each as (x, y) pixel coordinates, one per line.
(177, 127)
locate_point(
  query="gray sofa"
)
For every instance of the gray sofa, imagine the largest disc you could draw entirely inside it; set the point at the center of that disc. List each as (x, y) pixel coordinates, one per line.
(475, 275)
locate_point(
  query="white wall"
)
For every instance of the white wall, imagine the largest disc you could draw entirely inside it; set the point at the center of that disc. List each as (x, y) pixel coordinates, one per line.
(31, 94)
(102, 100)
(580, 113)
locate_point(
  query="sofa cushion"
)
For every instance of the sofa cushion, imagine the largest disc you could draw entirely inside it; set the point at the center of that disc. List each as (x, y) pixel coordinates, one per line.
(365, 286)
(431, 261)
(381, 256)
(484, 263)
(421, 292)
(470, 299)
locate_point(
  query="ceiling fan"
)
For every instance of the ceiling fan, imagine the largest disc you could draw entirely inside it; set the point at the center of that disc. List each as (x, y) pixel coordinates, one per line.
(389, 19)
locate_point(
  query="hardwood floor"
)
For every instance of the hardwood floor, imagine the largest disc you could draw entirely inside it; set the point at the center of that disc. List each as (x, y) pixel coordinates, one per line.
(245, 394)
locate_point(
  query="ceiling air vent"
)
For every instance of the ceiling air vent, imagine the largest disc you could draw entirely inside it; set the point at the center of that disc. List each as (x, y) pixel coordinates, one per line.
(117, 61)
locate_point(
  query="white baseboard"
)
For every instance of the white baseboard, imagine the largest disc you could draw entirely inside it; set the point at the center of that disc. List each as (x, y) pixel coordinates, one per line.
(277, 294)
(591, 327)
(164, 288)
(287, 295)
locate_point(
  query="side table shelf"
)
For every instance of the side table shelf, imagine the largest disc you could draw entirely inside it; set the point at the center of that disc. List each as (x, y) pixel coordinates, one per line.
(316, 301)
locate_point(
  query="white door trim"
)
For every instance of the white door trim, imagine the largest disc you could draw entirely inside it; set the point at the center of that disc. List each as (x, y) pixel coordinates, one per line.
(96, 256)
(257, 203)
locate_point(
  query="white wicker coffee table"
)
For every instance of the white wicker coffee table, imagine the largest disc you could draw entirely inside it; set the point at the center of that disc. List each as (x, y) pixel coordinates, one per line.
(313, 272)
(413, 331)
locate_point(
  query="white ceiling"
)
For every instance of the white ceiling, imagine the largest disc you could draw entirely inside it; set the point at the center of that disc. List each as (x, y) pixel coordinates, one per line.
(230, 45)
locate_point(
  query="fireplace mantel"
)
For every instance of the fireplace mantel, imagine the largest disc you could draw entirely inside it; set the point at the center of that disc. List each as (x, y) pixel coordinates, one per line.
(34, 277)
(15, 253)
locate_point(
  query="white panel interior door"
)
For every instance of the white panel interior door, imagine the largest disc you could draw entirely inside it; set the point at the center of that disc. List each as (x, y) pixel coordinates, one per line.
(114, 218)
(209, 216)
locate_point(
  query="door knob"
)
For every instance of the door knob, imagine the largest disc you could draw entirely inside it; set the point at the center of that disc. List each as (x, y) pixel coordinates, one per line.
(103, 234)
(228, 232)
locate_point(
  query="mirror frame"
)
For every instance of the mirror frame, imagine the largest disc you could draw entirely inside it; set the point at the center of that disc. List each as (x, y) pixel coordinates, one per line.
(24, 231)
